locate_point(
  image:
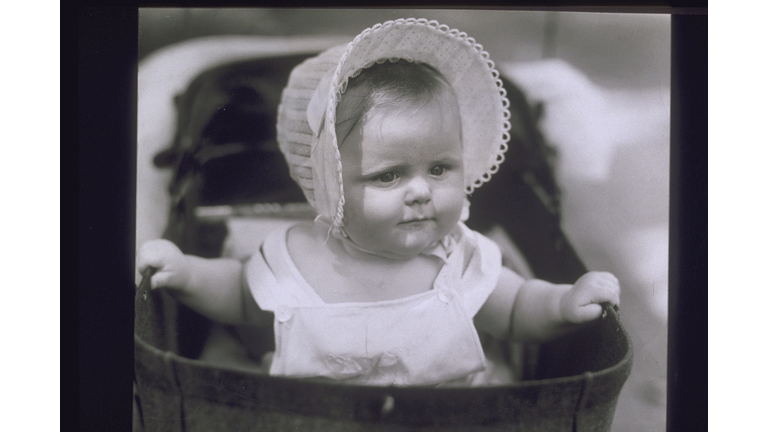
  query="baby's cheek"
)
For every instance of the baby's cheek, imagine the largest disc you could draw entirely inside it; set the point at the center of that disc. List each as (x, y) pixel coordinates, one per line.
(381, 204)
(369, 213)
(450, 202)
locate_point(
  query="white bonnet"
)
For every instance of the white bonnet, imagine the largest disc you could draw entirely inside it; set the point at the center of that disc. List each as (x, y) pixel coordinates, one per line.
(306, 129)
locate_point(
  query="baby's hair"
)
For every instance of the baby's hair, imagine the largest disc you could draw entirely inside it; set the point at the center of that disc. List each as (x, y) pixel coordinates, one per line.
(388, 85)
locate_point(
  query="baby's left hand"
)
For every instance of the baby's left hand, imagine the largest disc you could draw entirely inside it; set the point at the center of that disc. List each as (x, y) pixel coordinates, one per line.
(581, 303)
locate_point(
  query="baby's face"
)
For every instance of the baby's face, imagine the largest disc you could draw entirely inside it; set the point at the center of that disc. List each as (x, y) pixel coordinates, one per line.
(403, 178)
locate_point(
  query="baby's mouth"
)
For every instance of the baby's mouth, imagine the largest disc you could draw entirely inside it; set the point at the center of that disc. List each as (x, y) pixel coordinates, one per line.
(416, 221)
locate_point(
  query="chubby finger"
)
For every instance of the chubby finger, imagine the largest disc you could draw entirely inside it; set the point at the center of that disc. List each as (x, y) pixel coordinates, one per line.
(155, 282)
(160, 280)
(604, 292)
(612, 281)
(149, 256)
(146, 267)
(157, 253)
(588, 312)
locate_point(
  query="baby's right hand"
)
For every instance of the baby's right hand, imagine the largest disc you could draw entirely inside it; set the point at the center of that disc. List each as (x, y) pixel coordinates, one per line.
(582, 302)
(171, 264)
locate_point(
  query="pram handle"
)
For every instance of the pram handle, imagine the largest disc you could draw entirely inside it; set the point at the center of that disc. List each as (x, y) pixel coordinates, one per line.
(145, 283)
(606, 306)
(155, 314)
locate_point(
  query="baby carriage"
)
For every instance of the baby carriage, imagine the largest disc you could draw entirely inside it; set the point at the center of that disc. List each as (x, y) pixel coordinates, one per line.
(227, 185)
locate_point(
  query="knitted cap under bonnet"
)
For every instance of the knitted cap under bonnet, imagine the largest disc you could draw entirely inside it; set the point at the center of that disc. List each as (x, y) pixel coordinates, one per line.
(306, 120)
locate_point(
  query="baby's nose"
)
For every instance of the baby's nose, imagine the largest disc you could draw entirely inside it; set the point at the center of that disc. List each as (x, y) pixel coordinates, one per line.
(419, 192)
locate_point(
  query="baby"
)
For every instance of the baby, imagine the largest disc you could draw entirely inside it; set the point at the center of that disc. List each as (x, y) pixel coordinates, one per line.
(387, 136)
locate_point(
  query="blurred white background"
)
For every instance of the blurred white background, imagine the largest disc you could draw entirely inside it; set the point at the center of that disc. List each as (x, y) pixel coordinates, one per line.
(604, 79)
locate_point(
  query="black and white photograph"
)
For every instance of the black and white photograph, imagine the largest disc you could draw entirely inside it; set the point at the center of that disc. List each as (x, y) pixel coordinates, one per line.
(413, 219)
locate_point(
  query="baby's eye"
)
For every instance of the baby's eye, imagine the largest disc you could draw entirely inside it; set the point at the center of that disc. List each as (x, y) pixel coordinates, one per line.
(437, 170)
(387, 177)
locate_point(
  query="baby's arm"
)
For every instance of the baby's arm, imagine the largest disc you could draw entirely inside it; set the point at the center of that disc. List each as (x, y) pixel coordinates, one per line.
(538, 311)
(213, 287)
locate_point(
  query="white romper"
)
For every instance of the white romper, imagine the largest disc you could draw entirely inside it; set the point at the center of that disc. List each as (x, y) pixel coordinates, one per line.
(424, 339)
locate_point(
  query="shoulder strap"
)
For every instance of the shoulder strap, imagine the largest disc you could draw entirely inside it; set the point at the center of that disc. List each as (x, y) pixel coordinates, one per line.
(482, 271)
(273, 278)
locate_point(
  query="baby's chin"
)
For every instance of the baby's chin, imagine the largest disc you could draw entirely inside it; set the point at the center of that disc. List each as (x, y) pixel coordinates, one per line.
(404, 242)
(409, 249)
